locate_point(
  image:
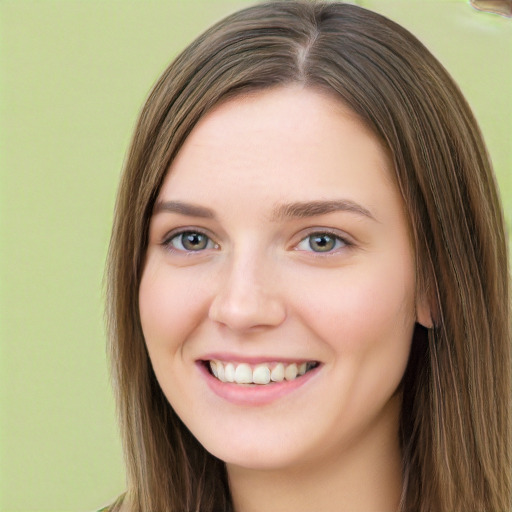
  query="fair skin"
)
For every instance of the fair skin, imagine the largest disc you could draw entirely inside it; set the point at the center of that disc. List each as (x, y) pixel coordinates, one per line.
(279, 236)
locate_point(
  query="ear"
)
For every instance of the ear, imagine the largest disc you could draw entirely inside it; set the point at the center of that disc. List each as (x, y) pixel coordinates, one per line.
(424, 311)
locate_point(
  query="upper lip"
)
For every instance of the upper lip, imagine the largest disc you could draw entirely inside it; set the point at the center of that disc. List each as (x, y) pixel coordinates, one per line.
(239, 358)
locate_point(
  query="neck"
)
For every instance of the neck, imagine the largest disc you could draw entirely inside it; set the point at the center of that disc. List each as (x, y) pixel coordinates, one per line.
(364, 477)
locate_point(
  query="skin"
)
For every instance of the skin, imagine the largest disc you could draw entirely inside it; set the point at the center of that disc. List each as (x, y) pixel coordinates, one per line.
(259, 288)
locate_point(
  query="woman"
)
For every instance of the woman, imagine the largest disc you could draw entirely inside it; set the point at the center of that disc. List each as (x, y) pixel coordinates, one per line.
(307, 278)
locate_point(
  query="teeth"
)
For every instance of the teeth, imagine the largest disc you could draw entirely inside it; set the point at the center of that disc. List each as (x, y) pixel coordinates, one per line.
(220, 372)
(290, 372)
(243, 374)
(277, 374)
(229, 372)
(213, 366)
(262, 374)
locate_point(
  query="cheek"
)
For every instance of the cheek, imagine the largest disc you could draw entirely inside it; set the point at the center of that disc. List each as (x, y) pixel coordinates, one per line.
(170, 304)
(360, 308)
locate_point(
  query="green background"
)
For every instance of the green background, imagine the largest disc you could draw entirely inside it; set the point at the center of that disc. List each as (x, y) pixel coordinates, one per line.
(73, 75)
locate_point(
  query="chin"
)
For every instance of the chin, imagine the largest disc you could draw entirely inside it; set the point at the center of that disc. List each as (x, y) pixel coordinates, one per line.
(258, 450)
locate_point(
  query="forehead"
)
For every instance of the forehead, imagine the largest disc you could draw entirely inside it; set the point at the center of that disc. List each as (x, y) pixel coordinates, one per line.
(289, 141)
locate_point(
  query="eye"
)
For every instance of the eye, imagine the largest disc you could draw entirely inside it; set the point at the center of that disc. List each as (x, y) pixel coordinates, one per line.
(191, 241)
(321, 242)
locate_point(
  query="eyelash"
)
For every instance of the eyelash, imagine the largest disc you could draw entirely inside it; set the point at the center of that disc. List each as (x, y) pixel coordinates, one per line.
(178, 235)
(339, 242)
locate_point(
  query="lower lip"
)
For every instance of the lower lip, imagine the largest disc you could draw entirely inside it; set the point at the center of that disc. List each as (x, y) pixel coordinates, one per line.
(254, 394)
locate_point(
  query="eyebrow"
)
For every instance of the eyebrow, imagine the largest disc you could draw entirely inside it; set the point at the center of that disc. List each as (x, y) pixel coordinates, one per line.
(189, 209)
(300, 209)
(314, 208)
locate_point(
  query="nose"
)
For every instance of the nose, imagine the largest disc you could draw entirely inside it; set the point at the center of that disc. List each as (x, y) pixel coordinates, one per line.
(248, 298)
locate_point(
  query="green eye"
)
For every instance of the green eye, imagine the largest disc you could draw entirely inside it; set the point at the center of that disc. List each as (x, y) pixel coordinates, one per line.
(191, 241)
(321, 242)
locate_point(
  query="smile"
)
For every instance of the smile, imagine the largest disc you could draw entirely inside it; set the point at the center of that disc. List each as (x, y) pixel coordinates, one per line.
(262, 374)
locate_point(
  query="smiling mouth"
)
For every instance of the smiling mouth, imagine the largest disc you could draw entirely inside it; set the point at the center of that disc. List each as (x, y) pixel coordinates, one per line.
(261, 374)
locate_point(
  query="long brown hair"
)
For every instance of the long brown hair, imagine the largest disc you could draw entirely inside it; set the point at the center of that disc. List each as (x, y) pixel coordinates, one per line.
(455, 422)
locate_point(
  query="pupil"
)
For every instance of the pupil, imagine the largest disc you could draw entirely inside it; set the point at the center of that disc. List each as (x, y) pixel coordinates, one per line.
(322, 243)
(194, 241)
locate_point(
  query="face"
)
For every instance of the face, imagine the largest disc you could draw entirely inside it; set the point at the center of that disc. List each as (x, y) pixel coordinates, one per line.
(278, 295)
